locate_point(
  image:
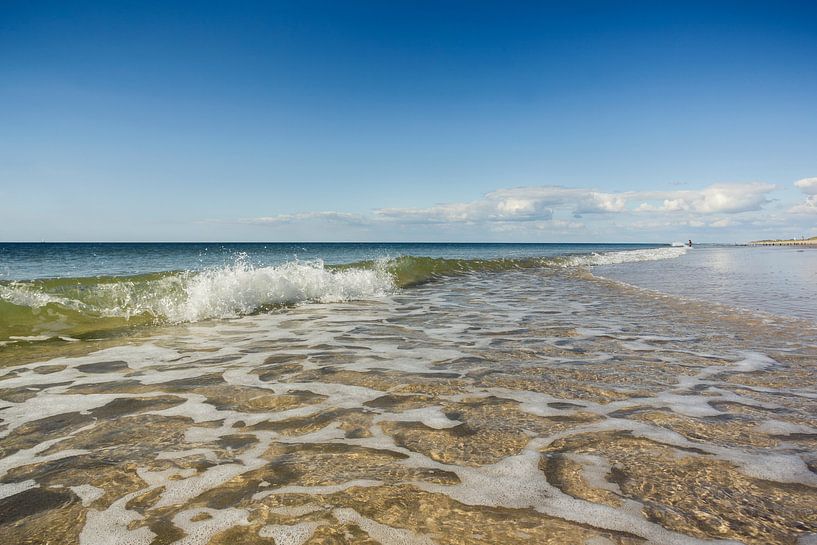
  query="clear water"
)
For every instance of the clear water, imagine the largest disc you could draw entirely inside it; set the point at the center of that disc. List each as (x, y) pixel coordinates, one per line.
(81, 291)
(515, 406)
(776, 280)
(468, 394)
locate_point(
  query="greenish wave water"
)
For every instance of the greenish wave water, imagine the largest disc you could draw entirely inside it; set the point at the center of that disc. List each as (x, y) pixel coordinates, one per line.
(92, 307)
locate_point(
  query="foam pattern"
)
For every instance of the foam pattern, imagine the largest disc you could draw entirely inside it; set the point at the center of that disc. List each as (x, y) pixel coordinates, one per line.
(530, 406)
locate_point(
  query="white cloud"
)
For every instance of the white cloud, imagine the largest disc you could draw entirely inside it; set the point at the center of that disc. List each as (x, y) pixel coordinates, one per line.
(526, 204)
(530, 211)
(807, 207)
(541, 202)
(807, 185)
(336, 217)
(722, 222)
(715, 199)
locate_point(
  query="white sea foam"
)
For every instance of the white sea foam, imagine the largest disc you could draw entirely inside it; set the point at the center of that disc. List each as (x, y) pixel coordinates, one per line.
(295, 534)
(225, 292)
(10, 489)
(113, 526)
(24, 296)
(87, 493)
(778, 427)
(754, 361)
(242, 289)
(387, 535)
(199, 532)
(627, 256)
(517, 482)
(433, 417)
(318, 489)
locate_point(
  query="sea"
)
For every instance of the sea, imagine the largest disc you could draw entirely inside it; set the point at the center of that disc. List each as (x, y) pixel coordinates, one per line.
(411, 393)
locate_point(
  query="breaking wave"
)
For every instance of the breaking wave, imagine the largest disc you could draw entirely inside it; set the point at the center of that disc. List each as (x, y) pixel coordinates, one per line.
(628, 256)
(89, 307)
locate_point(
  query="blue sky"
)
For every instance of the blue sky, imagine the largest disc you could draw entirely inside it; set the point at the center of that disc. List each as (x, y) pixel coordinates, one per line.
(495, 121)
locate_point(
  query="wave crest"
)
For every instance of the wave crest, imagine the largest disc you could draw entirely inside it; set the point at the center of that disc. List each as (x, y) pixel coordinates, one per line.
(626, 256)
(78, 307)
(83, 306)
(243, 289)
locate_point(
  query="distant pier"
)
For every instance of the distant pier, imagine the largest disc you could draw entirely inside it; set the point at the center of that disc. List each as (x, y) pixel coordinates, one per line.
(791, 242)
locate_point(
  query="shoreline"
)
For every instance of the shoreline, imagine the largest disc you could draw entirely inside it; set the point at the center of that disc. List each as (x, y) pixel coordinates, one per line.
(327, 413)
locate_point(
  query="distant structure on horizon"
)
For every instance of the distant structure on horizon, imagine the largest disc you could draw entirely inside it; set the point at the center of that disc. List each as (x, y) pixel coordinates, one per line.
(788, 242)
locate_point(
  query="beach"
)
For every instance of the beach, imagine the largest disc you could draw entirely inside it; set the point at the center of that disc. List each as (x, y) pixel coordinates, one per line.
(408, 273)
(483, 395)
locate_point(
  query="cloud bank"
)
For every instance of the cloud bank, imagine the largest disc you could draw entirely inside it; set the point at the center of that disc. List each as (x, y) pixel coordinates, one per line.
(582, 212)
(333, 217)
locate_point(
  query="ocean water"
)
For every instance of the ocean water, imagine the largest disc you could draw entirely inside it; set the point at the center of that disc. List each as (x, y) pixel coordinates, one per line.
(81, 291)
(394, 394)
(776, 280)
(27, 261)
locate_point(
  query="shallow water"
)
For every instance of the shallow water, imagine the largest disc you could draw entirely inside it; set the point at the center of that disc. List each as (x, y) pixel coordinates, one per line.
(42, 302)
(537, 405)
(777, 280)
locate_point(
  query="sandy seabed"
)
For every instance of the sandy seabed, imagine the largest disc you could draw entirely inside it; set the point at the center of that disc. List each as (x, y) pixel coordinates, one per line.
(521, 407)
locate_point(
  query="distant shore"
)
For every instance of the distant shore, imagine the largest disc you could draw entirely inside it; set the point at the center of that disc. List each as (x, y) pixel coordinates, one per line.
(790, 242)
